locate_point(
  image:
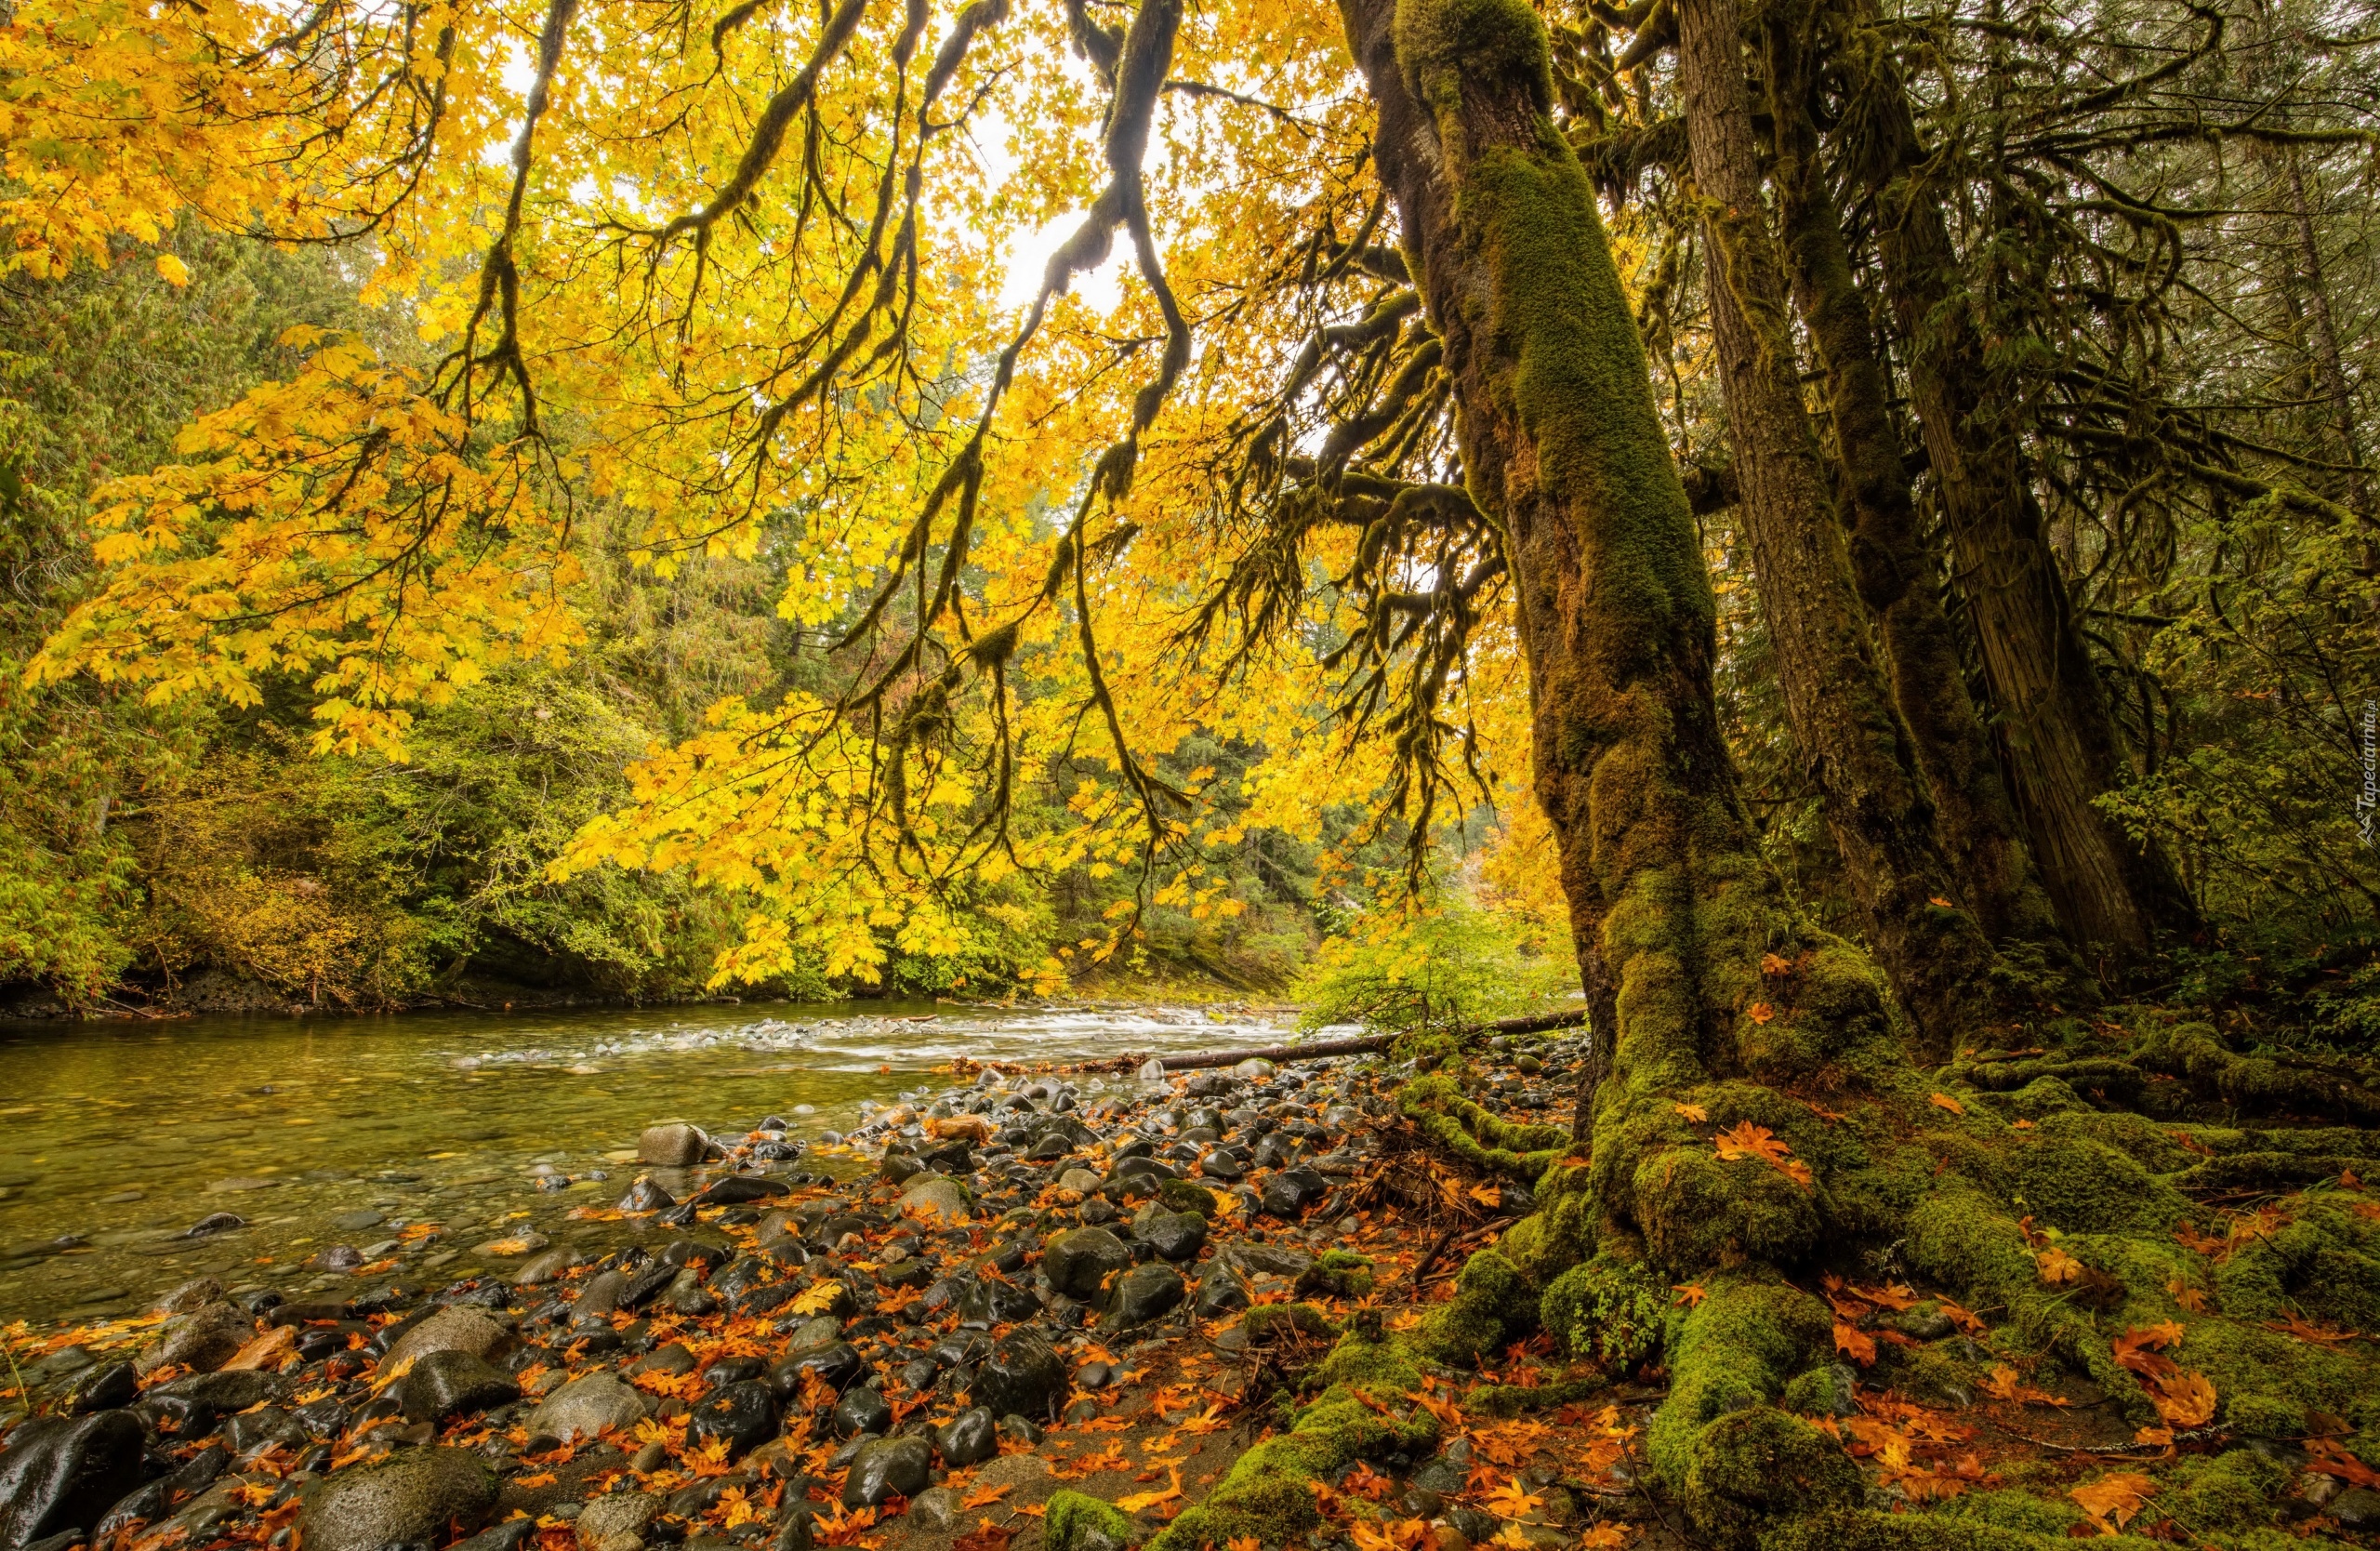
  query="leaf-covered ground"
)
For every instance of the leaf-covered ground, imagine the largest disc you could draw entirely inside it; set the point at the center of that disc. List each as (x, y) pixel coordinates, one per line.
(748, 1336)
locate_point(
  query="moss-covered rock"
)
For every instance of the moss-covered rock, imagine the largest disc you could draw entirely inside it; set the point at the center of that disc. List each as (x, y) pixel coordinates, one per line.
(1492, 1303)
(1613, 1306)
(1755, 1467)
(1338, 1274)
(1074, 1521)
(1269, 1491)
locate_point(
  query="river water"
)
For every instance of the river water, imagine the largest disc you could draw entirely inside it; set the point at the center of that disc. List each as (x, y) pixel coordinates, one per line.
(115, 1139)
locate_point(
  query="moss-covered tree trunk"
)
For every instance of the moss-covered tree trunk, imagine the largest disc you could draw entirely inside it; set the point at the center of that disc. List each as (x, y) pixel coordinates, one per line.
(1975, 825)
(1760, 1117)
(1845, 724)
(2060, 743)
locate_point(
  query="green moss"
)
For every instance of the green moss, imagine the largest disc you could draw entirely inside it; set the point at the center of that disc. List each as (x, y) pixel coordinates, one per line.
(1076, 1522)
(1269, 1491)
(1699, 1209)
(1733, 1351)
(2084, 1185)
(1493, 1305)
(1870, 1530)
(1180, 1194)
(1825, 1390)
(1754, 1467)
(1339, 1273)
(1457, 1125)
(1613, 1308)
(2234, 1490)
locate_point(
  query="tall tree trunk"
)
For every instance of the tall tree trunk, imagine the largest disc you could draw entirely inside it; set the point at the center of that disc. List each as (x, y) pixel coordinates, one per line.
(2308, 282)
(1726, 1017)
(1702, 980)
(1975, 825)
(2058, 732)
(1843, 719)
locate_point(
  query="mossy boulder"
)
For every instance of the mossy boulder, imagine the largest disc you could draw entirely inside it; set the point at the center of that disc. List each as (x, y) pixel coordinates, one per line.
(1758, 1466)
(1338, 1274)
(1612, 1306)
(1074, 1521)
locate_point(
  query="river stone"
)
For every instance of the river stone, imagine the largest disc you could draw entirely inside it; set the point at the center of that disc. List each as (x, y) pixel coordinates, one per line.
(1175, 1235)
(1143, 1293)
(105, 1388)
(207, 1337)
(862, 1409)
(740, 1190)
(195, 1293)
(1020, 1375)
(837, 1364)
(1081, 1181)
(615, 1521)
(586, 1406)
(452, 1383)
(935, 1510)
(234, 1390)
(1152, 1070)
(645, 1196)
(971, 1438)
(1272, 1260)
(674, 1145)
(459, 1329)
(406, 1498)
(1078, 1262)
(601, 1294)
(1289, 1193)
(936, 1197)
(885, 1468)
(744, 1413)
(1220, 1292)
(1254, 1069)
(59, 1473)
(548, 1267)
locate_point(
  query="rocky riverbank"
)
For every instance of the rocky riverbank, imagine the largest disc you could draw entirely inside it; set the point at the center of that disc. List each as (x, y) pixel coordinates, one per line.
(1022, 1307)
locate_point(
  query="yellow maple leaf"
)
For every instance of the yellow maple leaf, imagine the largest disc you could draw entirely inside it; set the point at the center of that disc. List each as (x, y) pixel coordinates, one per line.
(1760, 1011)
(1943, 1101)
(1141, 1500)
(2056, 1266)
(1694, 1112)
(1689, 1294)
(817, 1297)
(2112, 1500)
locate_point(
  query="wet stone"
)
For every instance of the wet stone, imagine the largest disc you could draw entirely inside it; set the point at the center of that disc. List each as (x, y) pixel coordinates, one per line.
(444, 1383)
(862, 1409)
(1021, 1374)
(1144, 1293)
(745, 1415)
(1176, 1236)
(1080, 1262)
(674, 1145)
(586, 1406)
(888, 1468)
(410, 1497)
(970, 1438)
(61, 1473)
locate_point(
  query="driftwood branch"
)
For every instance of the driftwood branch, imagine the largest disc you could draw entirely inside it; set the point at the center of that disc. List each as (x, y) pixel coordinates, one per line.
(1315, 1050)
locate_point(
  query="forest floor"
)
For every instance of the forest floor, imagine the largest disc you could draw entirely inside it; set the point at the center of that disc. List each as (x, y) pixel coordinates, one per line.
(1038, 1320)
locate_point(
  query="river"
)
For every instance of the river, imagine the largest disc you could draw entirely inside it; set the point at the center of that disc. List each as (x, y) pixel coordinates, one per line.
(115, 1139)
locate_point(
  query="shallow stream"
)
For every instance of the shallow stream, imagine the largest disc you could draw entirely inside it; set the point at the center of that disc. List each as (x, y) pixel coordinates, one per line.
(117, 1139)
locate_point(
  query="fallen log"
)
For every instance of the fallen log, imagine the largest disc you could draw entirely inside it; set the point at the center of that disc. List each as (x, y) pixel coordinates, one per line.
(1316, 1050)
